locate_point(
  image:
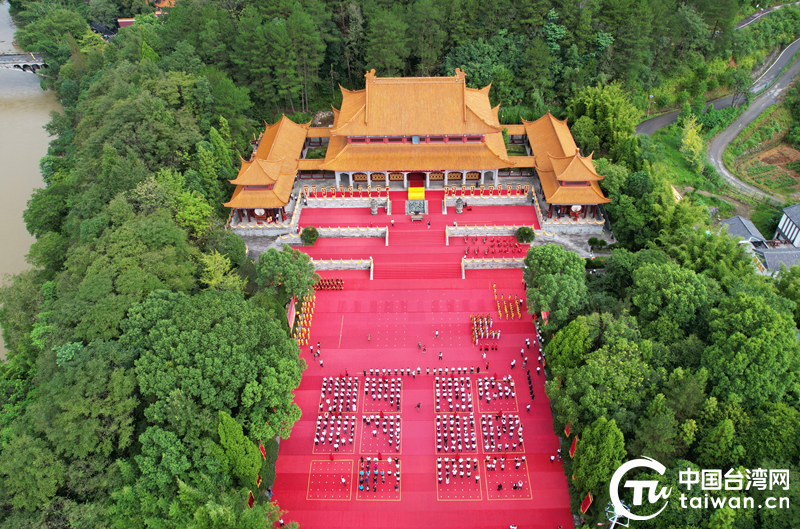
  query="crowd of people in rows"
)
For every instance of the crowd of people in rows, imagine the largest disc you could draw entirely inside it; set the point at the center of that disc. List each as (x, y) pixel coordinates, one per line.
(385, 425)
(454, 392)
(490, 388)
(456, 433)
(491, 463)
(461, 468)
(329, 284)
(385, 389)
(498, 434)
(402, 371)
(370, 477)
(339, 394)
(335, 430)
(494, 246)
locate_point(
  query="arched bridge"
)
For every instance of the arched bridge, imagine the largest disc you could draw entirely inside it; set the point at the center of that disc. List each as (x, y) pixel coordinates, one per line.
(26, 62)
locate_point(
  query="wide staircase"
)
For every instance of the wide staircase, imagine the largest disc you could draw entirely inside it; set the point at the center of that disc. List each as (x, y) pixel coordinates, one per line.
(416, 252)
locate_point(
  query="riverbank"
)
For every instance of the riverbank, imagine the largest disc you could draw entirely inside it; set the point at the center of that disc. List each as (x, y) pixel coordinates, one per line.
(24, 110)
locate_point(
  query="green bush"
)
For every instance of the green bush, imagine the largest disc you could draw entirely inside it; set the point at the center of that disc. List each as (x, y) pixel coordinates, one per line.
(594, 242)
(309, 235)
(525, 235)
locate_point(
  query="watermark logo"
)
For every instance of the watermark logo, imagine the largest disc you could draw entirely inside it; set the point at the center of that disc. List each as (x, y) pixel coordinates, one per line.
(702, 481)
(653, 496)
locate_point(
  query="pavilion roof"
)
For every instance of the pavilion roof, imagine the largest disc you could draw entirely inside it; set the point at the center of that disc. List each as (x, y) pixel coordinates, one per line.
(275, 163)
(555, 193)
(277, 197)
(575, 168)
(405, 106)
(276, 156)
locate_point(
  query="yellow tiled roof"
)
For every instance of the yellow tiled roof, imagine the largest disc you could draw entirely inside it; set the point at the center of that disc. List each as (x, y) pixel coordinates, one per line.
(310, 164)
(319, 132)
(422, 157)
(515, 130)
(258, 172)
(404, 106)
(574, 168)
(276, 197)
(554, 193)
(547, 135)
(274, 162)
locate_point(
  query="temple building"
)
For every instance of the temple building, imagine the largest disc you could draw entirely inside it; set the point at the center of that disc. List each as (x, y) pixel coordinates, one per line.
(421, 131)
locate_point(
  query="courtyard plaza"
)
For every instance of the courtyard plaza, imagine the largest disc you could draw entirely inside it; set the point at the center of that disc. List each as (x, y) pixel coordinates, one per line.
(385, 330)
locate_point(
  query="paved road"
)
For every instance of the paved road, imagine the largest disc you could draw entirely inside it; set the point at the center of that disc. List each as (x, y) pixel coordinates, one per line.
(767, 79)
(758, 14)
(755, 109)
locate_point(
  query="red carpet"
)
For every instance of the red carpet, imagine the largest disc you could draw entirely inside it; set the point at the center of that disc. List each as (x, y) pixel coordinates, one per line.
(418, 290)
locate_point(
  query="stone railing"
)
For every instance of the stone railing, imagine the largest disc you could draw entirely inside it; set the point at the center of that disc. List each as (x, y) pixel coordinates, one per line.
(568, 225)
(292, 239)
(486, 200)
(352, 232)
(344, 264)
(490, 263)
(348, 202)
(479, 231)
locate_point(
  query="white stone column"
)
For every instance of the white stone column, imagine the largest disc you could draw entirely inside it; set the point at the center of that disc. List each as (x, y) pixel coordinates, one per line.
(338, 180)
(427, 180)
(482, 177)
(350, 175)
(405, 180)
(463, 178)
(494, 177)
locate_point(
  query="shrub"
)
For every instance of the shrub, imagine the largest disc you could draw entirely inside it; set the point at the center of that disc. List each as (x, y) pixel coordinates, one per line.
(525, 235)
(594, 242)
(309, 235)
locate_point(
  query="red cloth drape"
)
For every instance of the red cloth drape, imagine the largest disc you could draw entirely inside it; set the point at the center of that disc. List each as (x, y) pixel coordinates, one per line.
(587, 501)
(572, 448)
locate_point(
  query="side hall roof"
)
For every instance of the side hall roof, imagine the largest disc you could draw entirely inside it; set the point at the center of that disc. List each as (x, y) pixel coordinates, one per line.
(549, 136)
(575, 168)
(277, 197)
(555, 193)
(404, 106)
(277, 154)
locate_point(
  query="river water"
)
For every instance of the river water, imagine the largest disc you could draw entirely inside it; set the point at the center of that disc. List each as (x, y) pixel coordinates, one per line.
(24, 110)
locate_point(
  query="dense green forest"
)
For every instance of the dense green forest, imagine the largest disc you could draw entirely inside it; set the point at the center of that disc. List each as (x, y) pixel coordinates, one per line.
(116, 407)
(678, 351)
